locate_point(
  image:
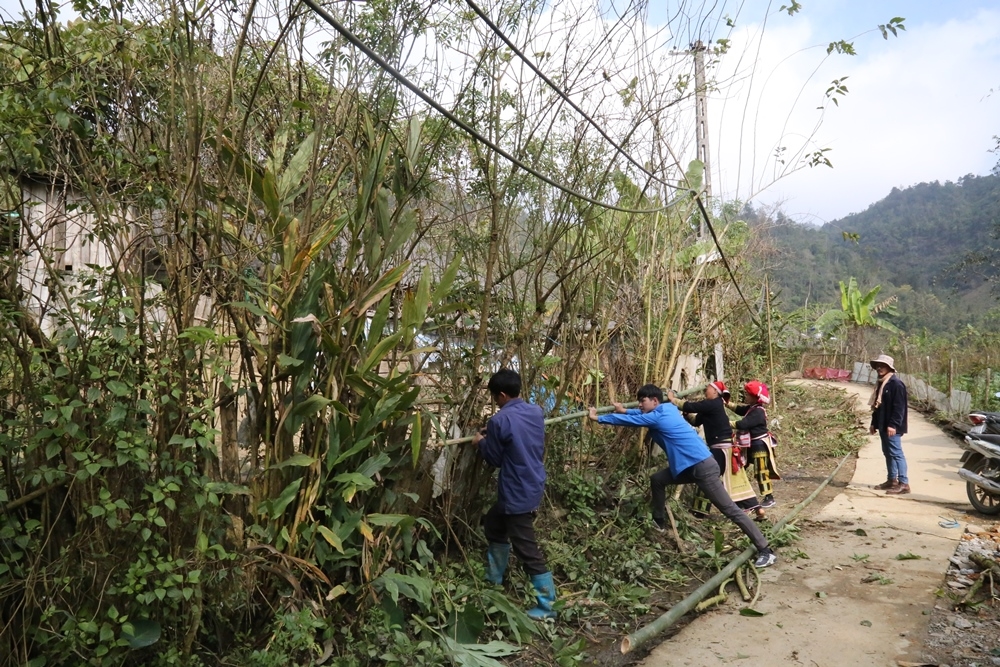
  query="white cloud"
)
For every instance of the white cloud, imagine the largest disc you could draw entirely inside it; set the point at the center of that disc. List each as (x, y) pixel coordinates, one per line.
(919, 109)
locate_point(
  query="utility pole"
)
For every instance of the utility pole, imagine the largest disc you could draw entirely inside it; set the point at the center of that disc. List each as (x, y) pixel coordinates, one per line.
(701, 137)
(701, 123)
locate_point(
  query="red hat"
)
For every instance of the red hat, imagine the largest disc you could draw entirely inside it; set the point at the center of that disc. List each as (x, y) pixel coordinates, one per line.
(720, 387)
(758, 390)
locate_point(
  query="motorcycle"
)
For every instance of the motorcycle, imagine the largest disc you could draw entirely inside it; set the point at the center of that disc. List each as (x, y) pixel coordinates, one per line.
(981, 462)
(985, 422)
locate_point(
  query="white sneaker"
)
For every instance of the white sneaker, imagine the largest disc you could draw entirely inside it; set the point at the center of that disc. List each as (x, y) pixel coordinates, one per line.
(765, 558)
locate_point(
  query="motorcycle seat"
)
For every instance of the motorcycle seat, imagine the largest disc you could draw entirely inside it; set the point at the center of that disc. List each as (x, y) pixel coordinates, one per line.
(986, 437)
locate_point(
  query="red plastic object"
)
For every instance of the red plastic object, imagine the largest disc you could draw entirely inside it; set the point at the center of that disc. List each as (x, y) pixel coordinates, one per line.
(823, 373)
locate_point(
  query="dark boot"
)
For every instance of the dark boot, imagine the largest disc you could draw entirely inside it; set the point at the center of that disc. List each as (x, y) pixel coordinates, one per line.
(887, 484)
(898, 490)
(497, 556)
(545, 591)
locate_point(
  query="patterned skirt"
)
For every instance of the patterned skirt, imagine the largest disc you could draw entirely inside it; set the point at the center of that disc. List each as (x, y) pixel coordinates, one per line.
(734, 479)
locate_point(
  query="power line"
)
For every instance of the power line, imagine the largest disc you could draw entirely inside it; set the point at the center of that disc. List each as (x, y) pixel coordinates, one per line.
(353, 39)
(559, 91)
(732, 277)
(621, 151)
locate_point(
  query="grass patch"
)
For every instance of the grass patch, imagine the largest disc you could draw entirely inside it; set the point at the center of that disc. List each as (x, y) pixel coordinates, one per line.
(816, 421)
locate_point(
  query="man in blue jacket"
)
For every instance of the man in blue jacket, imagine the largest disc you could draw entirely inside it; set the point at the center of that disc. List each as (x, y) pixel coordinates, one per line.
(514, 442)
(689, 461)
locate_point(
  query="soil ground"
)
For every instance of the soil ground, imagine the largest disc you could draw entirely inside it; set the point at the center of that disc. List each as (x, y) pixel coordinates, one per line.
(866, 582)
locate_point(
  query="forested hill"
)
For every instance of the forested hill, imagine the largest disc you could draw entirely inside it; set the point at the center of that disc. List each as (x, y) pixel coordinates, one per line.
(916, 243)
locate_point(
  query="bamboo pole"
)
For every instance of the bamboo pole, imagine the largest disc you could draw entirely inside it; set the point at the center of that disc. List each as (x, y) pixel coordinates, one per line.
(644, 634)
(770, 344)
(576, 415)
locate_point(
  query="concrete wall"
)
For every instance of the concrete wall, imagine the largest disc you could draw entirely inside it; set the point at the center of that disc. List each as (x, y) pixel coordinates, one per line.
(958, 403)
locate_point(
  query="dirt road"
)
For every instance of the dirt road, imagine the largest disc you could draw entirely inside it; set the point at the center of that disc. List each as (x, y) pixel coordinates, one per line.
(850, 592)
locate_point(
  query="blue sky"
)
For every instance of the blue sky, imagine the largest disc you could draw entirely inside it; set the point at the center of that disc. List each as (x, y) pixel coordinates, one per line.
(920, 107)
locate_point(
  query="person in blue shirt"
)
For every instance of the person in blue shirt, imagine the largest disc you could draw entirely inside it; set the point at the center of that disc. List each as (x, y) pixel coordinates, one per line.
(514, 442)
(689, 461)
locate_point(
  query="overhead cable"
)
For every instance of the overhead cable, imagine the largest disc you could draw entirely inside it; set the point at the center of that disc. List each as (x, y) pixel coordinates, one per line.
(732, 277)
(381, 62)
(621, 151)
(559, 91)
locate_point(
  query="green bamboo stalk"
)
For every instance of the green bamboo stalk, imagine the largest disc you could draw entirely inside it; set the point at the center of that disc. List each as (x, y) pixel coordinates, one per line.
(576, 415)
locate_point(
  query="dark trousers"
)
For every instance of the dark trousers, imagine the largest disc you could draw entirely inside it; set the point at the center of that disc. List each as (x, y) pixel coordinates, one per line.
(704, 475)
(519, 531)
(700, 502)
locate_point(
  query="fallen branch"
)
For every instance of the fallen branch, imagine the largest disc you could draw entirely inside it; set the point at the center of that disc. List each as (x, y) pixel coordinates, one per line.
(976, 585)
(986, 563)
(744, 591)
(756, 593)
(991, 569)
(681, 547)
(28, 497)
(647, 632)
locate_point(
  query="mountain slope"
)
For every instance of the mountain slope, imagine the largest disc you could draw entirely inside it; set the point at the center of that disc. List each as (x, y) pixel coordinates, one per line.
(916, 243)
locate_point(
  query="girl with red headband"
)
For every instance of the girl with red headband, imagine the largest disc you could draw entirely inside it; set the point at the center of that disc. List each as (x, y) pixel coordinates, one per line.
(753, 427)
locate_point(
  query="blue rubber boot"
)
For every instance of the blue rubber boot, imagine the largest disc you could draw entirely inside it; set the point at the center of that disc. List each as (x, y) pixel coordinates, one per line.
(497, 556)
(545, 591)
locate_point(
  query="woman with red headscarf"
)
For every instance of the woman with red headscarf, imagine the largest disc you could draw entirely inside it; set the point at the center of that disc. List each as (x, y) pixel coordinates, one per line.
(753, 427)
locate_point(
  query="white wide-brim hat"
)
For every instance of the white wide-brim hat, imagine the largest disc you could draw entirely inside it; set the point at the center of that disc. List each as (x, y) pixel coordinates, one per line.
(883, 359)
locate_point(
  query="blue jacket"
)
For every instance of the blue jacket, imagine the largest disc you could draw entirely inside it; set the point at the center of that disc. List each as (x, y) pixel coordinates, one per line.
(515, 443)
(681, 443)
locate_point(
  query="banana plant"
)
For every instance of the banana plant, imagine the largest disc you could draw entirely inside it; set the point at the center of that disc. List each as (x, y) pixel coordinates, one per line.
(859, 309)
(858, 313)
